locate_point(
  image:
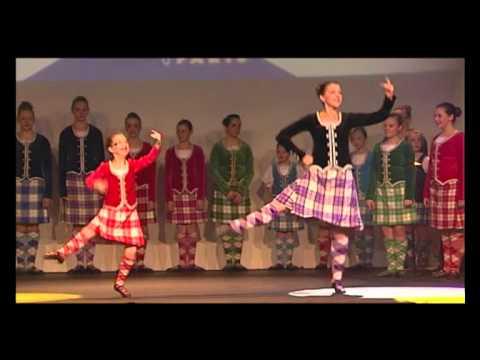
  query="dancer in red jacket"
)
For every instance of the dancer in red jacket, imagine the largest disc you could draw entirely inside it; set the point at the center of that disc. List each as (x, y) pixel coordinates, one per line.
(118, 219)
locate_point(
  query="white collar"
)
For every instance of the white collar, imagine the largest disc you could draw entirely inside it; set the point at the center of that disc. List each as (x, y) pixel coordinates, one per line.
(334, 125)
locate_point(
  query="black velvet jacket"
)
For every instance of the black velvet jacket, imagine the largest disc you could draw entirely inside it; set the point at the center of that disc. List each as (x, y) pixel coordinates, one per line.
(34, 159)
(80, 155)
(331, 143)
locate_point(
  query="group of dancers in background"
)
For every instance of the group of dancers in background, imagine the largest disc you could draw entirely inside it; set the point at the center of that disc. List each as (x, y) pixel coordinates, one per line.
(396, 186)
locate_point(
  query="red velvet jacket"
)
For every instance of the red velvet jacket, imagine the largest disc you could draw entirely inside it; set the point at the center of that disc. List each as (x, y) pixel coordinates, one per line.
(446, 163)
(122, 191)
(195, 173)
(147, 175)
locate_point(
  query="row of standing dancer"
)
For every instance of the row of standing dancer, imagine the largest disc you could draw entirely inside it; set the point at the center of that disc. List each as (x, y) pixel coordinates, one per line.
(325, 189)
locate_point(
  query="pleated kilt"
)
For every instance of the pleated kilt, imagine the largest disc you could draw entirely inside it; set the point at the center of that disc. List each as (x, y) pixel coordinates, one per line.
(120, 225)
(223, 210)
(444, 212)
(185, 209)
(82, 204)
(29, 196)
(390, 208)
(328, 195)
(146, 215)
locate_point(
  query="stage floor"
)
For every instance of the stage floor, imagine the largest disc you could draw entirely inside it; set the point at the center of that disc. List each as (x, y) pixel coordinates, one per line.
(254, 286)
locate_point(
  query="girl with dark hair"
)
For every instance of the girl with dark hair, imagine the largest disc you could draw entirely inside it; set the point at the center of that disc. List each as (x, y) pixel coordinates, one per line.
(33, 179)
(185, 187)
(231, 165)
(421, 242)
(118, 219)
(326, 192)
(444, 188)
(391, 193)
(278, 176)
(362, 163)
(146, 184)
(80, 152)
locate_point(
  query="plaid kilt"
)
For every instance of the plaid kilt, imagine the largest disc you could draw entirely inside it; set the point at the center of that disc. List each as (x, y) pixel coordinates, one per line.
(29, 196)
(286, 222)
(327, 195)
(146, 215)
(223, 210)
(120, 225)
(186, 211)
(82, 204)
(365, 212)
(422, 214)
(444, 213)
(389, 206)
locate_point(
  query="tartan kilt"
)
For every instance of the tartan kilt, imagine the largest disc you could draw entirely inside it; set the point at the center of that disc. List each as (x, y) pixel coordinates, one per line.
(146, 215)
(185, 211)
(444, 213)
(29, 196)
(389, 206)
(327, 195)
(286, 222)
(82, 203)
(365, 212)
(223, 210)
(422, 214)
(119, 225)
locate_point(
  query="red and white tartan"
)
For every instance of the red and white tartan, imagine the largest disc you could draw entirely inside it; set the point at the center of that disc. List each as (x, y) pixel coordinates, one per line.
(120, 225)
(444, 212)
(185, 209)
(146, 215)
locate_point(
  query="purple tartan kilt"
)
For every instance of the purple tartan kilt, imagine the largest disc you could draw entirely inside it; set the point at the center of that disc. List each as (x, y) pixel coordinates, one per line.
(328, 195)
(29, 196)
(82, 204)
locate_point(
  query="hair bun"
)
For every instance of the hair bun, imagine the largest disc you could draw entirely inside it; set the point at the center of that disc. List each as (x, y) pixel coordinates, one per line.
(458, 111)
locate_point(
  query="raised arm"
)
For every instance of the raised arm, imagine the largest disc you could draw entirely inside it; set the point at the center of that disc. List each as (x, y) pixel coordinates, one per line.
(144, 161)
(365, 119)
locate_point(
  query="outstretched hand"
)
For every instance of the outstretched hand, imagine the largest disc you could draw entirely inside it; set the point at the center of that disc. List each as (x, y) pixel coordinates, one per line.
(388, 87)
(156, 135)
